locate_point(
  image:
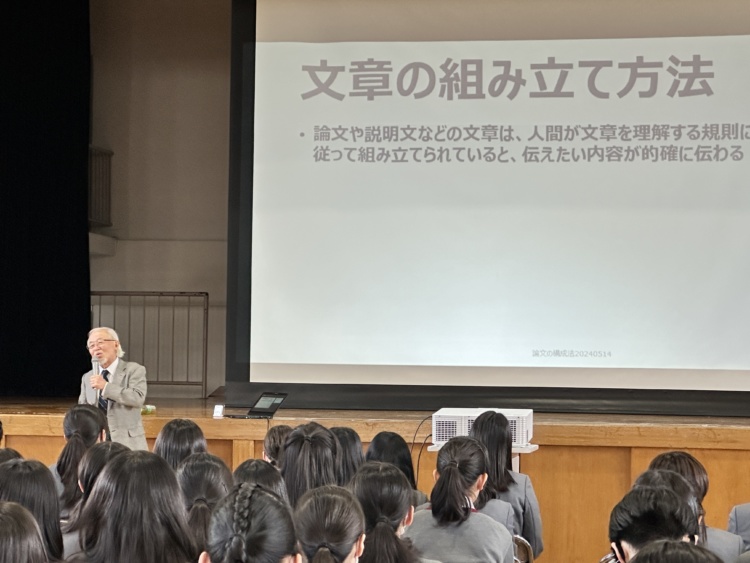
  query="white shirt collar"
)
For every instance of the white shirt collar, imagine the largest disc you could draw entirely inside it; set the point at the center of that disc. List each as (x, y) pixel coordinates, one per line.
(112, 368)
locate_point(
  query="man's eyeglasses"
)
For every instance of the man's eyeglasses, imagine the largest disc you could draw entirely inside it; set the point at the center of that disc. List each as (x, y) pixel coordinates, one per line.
(91, 345)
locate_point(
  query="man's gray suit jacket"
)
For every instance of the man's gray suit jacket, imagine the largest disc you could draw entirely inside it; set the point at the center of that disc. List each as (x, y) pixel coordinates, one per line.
(125, 393)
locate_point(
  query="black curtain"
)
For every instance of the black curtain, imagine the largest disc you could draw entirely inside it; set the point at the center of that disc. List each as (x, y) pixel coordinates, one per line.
(44, 295)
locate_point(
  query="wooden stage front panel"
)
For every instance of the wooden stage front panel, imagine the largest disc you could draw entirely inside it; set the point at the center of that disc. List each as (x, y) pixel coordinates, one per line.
(584, 465)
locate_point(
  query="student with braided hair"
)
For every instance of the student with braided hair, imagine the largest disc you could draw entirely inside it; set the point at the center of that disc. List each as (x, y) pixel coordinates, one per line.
(385, 495)
(330, 525)
(252, 525)
(453, 531)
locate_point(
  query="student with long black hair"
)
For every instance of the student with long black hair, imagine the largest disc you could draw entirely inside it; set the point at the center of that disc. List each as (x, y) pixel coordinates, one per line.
(453, 531)
(385, 496)
(30, 484)
(492, 429)
(308, 460)
(204, 480)
(390, 447)
(252, 525)
(135, 513)
(83, 426)
(350, 454)
(273, 443)
(330, 525)
(179, 438)
(20, 537)
(260, 472)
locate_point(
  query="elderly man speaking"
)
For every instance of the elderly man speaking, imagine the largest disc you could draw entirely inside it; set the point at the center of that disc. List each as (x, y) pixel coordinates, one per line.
(115, 386)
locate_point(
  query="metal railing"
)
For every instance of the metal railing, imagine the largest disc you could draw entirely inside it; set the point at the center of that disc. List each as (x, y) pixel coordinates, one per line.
(100, 187)
(166, 331)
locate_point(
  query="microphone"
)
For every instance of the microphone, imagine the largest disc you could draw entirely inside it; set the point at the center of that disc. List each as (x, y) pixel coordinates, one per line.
(96, 369)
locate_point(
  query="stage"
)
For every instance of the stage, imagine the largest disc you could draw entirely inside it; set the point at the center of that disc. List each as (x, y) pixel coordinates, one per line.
(585, 463)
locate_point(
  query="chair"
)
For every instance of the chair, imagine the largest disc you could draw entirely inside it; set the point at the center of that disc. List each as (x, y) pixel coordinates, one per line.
(522, 550)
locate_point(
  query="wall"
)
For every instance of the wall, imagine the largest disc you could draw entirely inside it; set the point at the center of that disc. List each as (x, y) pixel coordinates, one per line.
(161, 103)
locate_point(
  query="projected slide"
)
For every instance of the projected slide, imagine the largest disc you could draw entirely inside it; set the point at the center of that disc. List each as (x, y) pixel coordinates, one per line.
(529, 204)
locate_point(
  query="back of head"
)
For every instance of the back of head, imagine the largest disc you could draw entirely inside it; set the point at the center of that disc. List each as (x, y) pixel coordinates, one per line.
(91, 465)
(493, 431)
(9, 453)
(674, 551)
(392, 448)
(460, 463)
(204, 480)
(308, 460)
(251, 525)
(385, 495)
(329, 524)
(178, 439)
(350, 454)
(646, 514)
(83, 426)
(687, 466)
(117, 528)
(274, 441)
(20, 537)
(30, 484)
(261, 472)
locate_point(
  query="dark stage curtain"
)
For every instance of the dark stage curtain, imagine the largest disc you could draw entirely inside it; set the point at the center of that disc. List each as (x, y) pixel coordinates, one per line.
(44, 307)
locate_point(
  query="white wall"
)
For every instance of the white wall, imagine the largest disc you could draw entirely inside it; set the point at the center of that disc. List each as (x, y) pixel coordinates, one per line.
(161, 103)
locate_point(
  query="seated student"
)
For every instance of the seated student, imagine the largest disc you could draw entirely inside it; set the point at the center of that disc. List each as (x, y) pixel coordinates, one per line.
(647, 514)
(330, 525)
(9, 453)
(273, 443)
(350, 453)
(390, 447)
(493, 430)
(20, 537)
(308, 460)
(30, 484)
(94, 460)
(385, 496)
(261, 472)
(724, 544)
(452, 531)
(739, 523)
(83, 426)
(204, 480)
(135, 513)
(674, 551)
(251, 524)
(178, 439)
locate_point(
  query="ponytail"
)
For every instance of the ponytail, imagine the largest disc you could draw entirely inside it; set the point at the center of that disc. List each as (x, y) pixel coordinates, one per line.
(460, 463)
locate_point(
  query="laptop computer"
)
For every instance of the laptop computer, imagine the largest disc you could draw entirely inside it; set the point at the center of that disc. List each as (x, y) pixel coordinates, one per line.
(265, 407)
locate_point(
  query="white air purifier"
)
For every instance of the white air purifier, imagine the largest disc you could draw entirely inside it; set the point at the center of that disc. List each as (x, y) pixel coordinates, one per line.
(448, 423)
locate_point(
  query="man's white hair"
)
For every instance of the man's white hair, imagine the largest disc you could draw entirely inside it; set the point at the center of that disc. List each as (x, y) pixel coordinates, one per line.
(113, 335)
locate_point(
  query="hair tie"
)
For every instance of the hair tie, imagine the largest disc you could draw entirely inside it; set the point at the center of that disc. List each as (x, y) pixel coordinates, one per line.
(383, 519)
(453, 463)
(200, 499)
(323, 545)
(308, 439)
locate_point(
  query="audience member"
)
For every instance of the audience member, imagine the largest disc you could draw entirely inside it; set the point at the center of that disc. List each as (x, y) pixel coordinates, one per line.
(83, 426)
(9, 453)
(330, 525)
(665, 479)
(308, 460)
(204, 480)
(20, 537)
(261, 472)
(134, 513)
(390, 447)
(726, 545)
(493, 431)
(452, 531)
(273, 443)
(675, 551)
(385, 496)
(30, 484)
(350, 454)
(647, 514)
(178, 439)
(251, 525)
(91, 465)
(739, 523)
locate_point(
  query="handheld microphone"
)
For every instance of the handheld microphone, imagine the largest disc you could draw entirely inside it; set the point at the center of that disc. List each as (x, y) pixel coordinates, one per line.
(96, 369)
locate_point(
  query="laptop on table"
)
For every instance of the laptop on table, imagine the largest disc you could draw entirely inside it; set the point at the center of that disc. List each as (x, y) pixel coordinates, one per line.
(265, 407)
